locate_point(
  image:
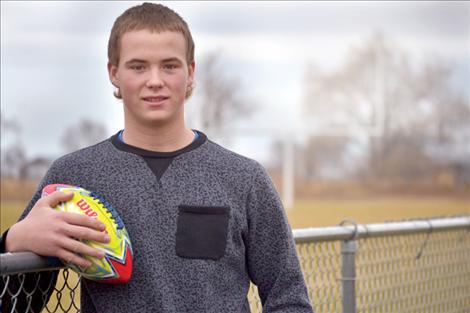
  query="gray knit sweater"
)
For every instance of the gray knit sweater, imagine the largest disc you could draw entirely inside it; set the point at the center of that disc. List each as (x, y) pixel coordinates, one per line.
(212, 223)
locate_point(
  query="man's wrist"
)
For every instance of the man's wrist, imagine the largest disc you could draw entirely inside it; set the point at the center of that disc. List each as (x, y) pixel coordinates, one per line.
(10, 241)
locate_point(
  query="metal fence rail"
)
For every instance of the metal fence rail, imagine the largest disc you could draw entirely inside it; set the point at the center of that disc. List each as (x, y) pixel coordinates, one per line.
(412, 266)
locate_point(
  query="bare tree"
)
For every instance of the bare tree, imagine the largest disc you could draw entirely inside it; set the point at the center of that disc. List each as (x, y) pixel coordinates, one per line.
(323, 156)
(13, 156)
(369, 90)
(411, 106)
(13, 159)
(84, 133)
(35, 168)
(447, 109)
(222, 100)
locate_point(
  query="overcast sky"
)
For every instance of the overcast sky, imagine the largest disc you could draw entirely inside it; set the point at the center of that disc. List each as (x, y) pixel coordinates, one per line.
(53, 54)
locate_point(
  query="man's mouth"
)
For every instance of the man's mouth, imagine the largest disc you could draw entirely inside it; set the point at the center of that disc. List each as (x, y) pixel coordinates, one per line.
(155, 99)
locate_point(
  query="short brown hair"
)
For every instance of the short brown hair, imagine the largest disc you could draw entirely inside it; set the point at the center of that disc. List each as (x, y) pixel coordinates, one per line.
(154, 17)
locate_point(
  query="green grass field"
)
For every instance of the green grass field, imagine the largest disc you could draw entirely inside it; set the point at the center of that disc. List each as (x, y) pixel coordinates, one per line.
(316, 213)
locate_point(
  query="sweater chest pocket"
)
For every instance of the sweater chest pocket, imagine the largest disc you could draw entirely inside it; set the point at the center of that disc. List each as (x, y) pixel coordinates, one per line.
(202, 231)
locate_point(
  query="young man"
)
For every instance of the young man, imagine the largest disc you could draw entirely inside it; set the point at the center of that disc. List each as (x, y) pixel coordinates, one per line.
(203, 221)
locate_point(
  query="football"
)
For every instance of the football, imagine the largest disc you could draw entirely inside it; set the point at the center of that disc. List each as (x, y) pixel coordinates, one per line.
(116, 266)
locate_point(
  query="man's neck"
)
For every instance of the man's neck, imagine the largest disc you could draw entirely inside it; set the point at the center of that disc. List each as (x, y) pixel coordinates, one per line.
(159, 139)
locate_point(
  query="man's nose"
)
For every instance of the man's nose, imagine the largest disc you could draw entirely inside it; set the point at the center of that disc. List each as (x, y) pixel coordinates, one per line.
(155, 79)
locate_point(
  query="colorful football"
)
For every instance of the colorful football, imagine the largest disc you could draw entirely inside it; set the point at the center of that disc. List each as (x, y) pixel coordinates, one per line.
(116, 266)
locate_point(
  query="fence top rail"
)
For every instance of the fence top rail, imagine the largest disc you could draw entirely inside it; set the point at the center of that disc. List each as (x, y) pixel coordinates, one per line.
(22, 262)
(351, 230)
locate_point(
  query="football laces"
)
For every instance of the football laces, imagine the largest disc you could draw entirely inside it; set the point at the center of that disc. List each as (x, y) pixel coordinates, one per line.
(110, 211)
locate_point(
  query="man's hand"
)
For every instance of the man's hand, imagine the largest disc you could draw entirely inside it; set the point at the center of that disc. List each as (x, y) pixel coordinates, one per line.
(49, 232)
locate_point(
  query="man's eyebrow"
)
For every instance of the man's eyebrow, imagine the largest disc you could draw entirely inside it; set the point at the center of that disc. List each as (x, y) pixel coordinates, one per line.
(135, 61)
(167, 60)
(173, 59)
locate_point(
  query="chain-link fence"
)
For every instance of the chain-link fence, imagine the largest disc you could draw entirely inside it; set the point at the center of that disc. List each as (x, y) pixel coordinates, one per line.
(414, 273)
(32, 293)
(412, 266)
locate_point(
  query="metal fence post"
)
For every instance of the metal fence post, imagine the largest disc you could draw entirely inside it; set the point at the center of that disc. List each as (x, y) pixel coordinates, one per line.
(348, 275)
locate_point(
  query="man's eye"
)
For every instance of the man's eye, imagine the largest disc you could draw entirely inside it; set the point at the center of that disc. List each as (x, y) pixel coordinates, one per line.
(137, 67)
(170, 66)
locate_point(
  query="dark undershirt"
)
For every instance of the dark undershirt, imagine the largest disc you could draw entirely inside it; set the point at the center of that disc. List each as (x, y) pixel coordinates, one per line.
(158, 162)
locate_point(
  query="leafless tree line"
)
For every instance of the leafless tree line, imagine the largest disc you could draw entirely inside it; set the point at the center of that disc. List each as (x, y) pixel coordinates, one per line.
(423, 122)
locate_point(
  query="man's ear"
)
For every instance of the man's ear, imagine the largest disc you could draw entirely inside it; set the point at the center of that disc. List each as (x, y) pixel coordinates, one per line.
(112, 72)
(191, 69)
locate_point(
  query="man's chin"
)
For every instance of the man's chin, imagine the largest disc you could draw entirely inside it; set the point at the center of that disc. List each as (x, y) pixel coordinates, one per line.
(157, 120)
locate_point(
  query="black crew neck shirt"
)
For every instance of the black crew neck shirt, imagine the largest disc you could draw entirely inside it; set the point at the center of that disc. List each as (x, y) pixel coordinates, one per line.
(158, 162)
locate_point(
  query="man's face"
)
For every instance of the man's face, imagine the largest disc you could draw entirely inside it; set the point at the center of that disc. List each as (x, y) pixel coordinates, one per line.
(153, 77)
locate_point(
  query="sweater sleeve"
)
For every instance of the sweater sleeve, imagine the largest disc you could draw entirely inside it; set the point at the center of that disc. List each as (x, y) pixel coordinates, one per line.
(271, 256)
